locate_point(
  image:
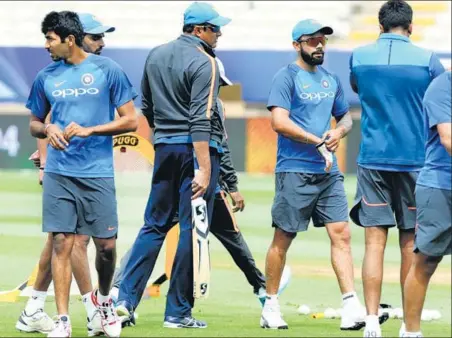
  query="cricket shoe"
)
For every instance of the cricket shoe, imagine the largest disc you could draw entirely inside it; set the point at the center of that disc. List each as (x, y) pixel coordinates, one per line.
(353, 316)
(110, 324)
(125, 314)
(372, 331)
(37, 322)
(271, 318)
(285, 279)
(184, 323)
(62, 328)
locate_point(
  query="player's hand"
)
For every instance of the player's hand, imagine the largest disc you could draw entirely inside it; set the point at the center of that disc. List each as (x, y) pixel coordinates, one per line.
(332, 139)
(326, 154)
(200, 183)
(73, 129)
(56, 137)
(36, 158)
(238, 202)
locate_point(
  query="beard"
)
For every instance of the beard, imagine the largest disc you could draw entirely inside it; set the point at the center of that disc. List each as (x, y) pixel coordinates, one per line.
(310, 59)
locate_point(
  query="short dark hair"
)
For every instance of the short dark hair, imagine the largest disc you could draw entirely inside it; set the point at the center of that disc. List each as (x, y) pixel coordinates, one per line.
(395, 13)
(63, 23)
(188, 28)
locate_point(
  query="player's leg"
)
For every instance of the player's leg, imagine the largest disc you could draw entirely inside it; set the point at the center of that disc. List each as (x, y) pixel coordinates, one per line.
(224, 227)
(291, 211)
(82, 275)
(372, 210)
(331, 211)
(60, 219)
(97, 214)
(179, 300)
(160, 210)
(33, 318)
(433, 241)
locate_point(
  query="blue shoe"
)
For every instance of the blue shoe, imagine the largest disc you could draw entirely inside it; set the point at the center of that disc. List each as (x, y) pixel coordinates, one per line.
(183, 323)
(285, 279)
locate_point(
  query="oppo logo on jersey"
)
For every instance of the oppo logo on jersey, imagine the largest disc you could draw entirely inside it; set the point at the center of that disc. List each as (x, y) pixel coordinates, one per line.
(74, 92)
(317, 96)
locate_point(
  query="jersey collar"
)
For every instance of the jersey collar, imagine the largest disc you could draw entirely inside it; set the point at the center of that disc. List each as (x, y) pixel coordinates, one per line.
(191, 39)
(391, 36)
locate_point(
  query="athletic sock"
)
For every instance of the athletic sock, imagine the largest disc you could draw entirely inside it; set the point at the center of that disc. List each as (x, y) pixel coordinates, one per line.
(90, 307)
(35, 302)
(413, 334)
(372, 321)
(350, 299)
(271, 300)
(101, 299)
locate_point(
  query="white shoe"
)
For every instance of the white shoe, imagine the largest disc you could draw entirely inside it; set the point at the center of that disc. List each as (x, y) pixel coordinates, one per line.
(353, 318)
(95, 325)
(62, 328)
(37, 322)
(271, 318)
(374, 332)
(110, 322)
(412, 335)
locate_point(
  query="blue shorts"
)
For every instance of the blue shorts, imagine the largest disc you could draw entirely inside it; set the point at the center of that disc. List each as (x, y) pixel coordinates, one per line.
(85, 206)
(385, 199)
(301, 197)
(433, 228)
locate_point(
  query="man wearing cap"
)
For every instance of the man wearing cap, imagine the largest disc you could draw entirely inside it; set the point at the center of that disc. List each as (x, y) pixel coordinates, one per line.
(303, 98)
(179, 89)
(33, 318)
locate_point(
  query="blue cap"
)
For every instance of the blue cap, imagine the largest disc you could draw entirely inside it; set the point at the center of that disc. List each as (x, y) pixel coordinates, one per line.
(202, 12)
(308, 27)
(91, 25)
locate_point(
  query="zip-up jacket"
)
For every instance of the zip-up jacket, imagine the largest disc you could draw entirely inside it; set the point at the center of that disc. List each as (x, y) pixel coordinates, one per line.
(179, 90)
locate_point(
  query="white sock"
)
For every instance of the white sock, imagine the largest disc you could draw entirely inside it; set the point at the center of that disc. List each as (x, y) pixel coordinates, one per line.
(90, 307)
(413, 334)
(67, 316)
(372, 320)
(271, 300)
(101, 299)
(35, 302)
(114, 292)
(350, 298)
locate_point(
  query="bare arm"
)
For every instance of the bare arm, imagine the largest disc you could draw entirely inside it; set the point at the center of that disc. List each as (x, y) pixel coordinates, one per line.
(37, 127)
(282, 124)
(344, 123)
(444, 131)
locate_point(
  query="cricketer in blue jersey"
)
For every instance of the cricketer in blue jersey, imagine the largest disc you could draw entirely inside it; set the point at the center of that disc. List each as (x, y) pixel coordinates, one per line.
(390, 76)
(433, 202)
(82, 90)
(303, 98)
(33, 318)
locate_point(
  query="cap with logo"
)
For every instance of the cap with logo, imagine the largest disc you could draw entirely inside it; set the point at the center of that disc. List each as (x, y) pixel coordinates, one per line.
(91, 25)
(202, 12)
(223, 76)
(309, 27)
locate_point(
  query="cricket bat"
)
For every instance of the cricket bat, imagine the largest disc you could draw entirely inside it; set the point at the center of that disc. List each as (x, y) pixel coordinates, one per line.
(201, 256)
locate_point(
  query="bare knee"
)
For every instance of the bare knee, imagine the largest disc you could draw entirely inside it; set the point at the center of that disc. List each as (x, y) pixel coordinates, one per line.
(81, 243)
(340, 235)
(376, 239)
(106, 249)
(427, 264)
(281, 241)
(62, 243)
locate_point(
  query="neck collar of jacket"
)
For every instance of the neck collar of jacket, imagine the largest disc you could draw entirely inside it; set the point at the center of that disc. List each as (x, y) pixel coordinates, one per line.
(392, 36)
(195, 41)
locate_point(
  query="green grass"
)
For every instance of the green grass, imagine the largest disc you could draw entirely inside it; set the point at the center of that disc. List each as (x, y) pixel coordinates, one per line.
(232, 309)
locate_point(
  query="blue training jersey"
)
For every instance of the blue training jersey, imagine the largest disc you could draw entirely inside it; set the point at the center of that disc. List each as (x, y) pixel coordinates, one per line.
(311, 99)
(87, 94)
(437, 171)
(392, 76)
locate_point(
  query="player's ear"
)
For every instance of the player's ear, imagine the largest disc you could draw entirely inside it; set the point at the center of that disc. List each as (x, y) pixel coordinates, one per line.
(410, 29)
(382, 30)
(296, 45)
(71, 40)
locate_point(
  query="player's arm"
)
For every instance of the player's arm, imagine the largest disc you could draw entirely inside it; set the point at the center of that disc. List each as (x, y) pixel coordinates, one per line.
(444, 131)
(203, 94)
(146, 97)
(282, 124)
(228, 177)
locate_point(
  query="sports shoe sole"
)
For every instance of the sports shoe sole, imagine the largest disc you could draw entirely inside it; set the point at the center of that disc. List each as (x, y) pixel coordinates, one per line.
(265, 325)
(169, 325)
(25, 328)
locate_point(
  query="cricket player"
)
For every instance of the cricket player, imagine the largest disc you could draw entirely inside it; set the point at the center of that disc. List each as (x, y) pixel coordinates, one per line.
(179, 86)
(303, 98)
(433, 203)
(390, 77)
(33, 318)
(224, 226)
(82, 90)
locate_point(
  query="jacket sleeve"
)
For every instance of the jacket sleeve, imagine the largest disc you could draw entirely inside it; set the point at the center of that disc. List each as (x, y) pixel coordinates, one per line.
(204, 91)
(146, 96)
(228, 176)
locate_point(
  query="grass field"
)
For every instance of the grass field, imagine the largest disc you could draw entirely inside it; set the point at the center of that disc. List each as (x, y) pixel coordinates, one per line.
(232, 309)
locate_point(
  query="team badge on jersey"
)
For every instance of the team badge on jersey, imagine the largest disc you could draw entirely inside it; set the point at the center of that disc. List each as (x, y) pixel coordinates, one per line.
(325, 84)
(87, 79)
